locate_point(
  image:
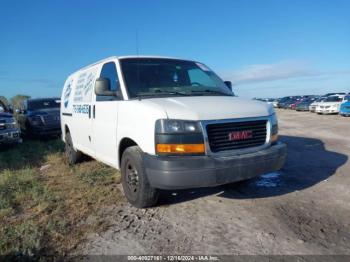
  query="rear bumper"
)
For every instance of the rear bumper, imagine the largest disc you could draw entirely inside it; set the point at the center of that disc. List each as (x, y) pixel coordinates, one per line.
(207, 171)
(10, 136)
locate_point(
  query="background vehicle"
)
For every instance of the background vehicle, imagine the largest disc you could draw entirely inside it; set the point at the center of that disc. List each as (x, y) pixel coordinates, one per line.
(313, 105)
(40, 117)
(330, 105)
(296, 103)
(9, 131)
(275, 103)
(334, 94)
(271, 101)
(305, 104)
(345, 106)
(283, 100)
(288, 103)
(163, 128)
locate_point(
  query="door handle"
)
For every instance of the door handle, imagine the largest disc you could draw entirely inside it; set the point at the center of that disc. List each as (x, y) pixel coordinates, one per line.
(89, 112)
(93, 112)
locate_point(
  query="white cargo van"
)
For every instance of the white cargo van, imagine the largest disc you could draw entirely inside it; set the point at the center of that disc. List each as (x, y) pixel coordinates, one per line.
(166, 124)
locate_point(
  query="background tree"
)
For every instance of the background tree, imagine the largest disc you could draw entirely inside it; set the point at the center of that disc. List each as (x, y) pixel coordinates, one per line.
(16, 100)
(4, 100)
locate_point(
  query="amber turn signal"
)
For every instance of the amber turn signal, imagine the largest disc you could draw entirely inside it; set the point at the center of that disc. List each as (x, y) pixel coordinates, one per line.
(180, 148)
(274, 138)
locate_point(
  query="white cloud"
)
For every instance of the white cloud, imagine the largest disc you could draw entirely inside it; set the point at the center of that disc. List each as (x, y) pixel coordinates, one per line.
(270, 72)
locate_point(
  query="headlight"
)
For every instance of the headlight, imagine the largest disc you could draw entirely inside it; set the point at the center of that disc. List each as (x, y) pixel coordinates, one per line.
(274, 128)
(178, 137)
(169, 126)
(12, 124)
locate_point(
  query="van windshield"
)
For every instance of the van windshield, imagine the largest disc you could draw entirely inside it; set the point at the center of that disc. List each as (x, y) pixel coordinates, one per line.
(159, 77)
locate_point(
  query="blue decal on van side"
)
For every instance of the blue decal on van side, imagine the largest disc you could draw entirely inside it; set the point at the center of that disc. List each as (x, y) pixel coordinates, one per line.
(67, 92)
(81, 109)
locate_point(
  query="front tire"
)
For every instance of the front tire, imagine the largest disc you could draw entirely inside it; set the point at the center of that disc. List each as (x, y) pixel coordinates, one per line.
(136, 187)
(73, 156)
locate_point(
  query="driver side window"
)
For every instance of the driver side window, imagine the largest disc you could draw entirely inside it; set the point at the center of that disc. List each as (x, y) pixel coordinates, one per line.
(109, 71)
(197, 76)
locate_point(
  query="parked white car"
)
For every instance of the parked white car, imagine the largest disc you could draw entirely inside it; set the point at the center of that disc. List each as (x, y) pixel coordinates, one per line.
(313, 106)
(166, 124)
(330, 105)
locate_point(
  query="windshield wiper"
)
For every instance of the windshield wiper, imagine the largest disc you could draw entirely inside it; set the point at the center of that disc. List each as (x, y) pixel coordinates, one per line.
(175, 93)
(162, 93)
(207, 91)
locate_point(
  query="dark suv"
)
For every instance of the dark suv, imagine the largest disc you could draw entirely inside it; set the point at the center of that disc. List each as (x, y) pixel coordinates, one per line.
(9, 131)
(40, 117)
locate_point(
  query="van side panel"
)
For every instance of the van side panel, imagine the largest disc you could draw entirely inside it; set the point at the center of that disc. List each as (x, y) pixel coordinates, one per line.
(76, 108)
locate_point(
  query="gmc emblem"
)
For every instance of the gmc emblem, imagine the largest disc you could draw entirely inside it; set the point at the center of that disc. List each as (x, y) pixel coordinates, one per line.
(240, 135)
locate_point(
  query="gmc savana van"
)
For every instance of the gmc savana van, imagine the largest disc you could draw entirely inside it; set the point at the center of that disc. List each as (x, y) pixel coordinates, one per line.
(166, 124)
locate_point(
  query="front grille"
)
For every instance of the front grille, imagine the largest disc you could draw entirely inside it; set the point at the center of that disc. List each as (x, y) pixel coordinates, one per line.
(219, 135)
(2, 124)
(51, 119)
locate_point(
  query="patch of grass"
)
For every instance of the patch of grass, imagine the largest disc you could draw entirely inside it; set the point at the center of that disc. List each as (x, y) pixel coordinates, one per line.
(45, 212)
(28, 154)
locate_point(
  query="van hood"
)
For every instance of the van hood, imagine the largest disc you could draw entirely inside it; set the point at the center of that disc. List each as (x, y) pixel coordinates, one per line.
(210, 107)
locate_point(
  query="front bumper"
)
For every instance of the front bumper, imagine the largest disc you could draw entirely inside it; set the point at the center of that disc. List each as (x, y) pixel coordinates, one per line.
(302, 108)
(312, 108)
(46, 130)
(327, 111)
(344, 113)
(180, 172)
(10, 136)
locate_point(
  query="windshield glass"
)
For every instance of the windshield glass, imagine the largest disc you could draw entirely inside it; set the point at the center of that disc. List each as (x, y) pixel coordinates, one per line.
(333, 99)
(157, 77)
(347, 98)
(43, 104)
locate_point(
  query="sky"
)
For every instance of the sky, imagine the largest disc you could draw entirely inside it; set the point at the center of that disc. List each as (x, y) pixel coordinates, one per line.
(267, 48)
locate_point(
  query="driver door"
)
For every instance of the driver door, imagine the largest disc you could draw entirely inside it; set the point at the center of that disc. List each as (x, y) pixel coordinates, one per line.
(105, 118)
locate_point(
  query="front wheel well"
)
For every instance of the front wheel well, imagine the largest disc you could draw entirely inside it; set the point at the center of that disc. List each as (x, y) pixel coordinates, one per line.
(66, 131)
(123, 145)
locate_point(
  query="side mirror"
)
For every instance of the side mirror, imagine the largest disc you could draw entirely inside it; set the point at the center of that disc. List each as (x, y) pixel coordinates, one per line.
(103, 87)
(229, 84)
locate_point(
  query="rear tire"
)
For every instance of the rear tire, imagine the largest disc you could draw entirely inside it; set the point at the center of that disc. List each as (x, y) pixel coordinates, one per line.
(73, 156)
(136, 187)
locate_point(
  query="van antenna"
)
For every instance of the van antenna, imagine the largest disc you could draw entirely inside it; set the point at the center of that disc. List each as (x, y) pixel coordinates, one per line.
(137, 63)
(137, 42)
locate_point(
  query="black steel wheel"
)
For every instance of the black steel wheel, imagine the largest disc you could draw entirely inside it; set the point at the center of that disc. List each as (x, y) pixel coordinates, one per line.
(73, 155)
(136, 187)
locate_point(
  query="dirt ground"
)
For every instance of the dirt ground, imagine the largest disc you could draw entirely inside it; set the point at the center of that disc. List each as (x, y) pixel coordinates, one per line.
(303, 209)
